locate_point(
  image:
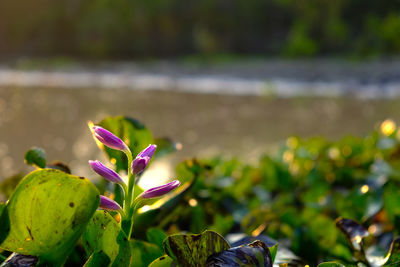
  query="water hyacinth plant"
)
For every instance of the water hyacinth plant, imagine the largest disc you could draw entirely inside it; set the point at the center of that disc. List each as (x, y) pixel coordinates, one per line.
(325, 200)
(135, 167)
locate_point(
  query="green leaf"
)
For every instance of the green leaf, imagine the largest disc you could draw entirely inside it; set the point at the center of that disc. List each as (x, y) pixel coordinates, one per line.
(144, 253)
(4, 222)
(392, 202)
(193, 250)
(156, 236)
(132, 132)
(394, 253)
(163, 261)
(331, 264)
(254, 254)
(98, 259)
(47, 213)
(36, 157)
(104, 234)
(273, 250)
(2, 207)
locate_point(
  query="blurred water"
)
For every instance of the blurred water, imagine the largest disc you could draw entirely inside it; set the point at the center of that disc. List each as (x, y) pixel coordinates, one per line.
(206, 124)
(325, 78)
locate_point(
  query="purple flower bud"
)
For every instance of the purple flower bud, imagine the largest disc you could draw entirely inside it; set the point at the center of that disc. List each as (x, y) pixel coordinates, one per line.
(160, 190)
(109, 139)
(139, 164)
(108, 204)
(107, 173)
(142, 160)
(148, 151)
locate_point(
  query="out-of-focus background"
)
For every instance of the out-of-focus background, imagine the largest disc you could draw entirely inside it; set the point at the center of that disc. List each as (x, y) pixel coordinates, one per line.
(233, 77)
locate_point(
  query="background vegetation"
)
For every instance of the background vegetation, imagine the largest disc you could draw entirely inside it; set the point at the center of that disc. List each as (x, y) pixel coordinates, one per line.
(102, 29)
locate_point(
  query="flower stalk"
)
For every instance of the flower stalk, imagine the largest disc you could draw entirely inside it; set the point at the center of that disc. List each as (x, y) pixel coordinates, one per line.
(135, 167)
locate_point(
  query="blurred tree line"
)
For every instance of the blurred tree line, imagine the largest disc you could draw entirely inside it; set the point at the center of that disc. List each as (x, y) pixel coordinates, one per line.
(106, 29)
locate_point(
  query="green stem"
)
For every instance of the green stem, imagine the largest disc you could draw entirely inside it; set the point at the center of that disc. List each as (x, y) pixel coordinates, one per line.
(127, 221)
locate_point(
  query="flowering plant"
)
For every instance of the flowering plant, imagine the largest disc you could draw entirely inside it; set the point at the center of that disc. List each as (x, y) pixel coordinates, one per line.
(135, 167)
(50, 210)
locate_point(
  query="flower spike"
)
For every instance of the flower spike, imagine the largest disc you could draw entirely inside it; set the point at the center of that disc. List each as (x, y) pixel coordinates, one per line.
(108, 204)
(160, 190)
(105, 172)
(109, 139)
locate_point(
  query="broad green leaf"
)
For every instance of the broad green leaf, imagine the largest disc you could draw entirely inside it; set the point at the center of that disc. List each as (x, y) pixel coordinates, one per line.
(47, 213)
(144, 253)
(132, 132)
(156, 236)
(104, 234)
(36, 157)
(163, 261)
(394, 253)
(193, 250)
(331, 264)
(98, 259)
(254, 254)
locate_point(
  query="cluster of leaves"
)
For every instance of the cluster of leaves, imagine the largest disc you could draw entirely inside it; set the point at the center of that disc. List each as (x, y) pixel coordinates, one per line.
(315, 202)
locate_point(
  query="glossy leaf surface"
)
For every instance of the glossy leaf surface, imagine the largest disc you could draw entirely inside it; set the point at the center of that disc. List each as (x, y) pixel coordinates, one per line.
(47, 213)
(103, 234)
(254, 254)
(193, 250)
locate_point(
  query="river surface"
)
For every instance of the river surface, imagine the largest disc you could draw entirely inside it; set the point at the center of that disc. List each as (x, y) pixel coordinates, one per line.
(205, 124)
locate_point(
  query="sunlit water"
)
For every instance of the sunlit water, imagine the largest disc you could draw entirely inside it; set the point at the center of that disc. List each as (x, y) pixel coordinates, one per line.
(205, 124)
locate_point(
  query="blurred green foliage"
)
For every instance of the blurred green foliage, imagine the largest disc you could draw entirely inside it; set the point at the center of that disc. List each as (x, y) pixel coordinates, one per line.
(102, 29)
(298, 195)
